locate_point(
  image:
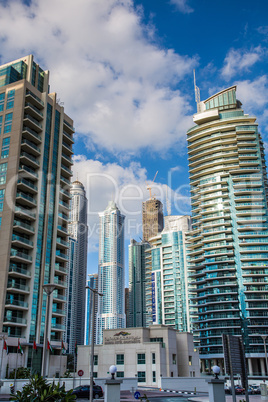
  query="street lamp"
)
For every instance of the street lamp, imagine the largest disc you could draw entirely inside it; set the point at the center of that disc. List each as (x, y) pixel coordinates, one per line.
(48, 288)
(265, 350)
(94, 292)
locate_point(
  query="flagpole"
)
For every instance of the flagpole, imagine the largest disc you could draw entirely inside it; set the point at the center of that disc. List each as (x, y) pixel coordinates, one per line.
(15, 378)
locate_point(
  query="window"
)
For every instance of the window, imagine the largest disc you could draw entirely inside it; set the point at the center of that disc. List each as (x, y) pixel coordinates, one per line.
(3, 172)
(141, 358)
(174, 359)
(120, 359)
(8, 123)
(190, 360)
(2, 194)
(5, 147)
(153, 358)
(154, 376)
(95, 360)
(0, 220)
(1, 120)
(141, 376)
(10, 99)
(2, 101)
(95, 374)
(120, 374)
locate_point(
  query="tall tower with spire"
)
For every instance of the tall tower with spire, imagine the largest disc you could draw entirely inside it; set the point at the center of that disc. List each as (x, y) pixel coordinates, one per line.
(78, 232)
(111, 277)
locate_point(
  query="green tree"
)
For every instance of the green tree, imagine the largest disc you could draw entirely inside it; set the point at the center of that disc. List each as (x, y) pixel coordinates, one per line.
(22, 372)
(39, 390)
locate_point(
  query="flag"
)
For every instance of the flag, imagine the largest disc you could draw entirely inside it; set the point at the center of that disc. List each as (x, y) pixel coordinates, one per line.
(34, 346)
(49, 347)
(62, 347)
(19, 347)
(75, 349)
(5, 347)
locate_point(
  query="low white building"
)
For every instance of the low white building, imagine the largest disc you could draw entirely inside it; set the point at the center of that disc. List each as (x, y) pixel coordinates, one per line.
(145, 353)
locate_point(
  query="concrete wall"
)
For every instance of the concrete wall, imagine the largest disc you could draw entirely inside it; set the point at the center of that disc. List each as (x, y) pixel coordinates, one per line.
(184, 384)
(70, 383)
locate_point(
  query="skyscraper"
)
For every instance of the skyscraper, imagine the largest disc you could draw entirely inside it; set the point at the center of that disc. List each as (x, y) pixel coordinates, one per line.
(152, 218)
(78, 231)
(167, 296)
(111, 276)
(35, 171)
(229, 242)
(92, 282)
(137, 283)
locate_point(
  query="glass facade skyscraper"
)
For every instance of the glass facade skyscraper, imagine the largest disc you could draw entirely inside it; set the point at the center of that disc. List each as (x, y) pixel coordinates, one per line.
(167, 297)
(78, 231)
(229, 242)
(111, 275)
(35, 171)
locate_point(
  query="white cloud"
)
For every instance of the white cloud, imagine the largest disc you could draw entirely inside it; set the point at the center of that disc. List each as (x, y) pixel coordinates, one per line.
(116, 84)
(128, 188)
(238, 60)
(182, 6)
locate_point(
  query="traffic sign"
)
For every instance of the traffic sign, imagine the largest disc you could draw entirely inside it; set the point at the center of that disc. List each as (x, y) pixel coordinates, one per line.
(137, 395)
(80, 373)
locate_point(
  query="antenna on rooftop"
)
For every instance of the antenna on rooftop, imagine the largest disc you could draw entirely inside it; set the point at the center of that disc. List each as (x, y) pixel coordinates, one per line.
(197, 92)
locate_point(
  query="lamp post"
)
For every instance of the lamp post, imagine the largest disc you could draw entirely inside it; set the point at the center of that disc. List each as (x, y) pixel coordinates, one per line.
(48, 288)
(94, 292)
(265, 350)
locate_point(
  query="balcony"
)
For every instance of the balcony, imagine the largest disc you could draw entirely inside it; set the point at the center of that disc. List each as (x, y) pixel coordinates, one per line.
(13, 304)
(29, 159)
(25, 199)
(23, 227)
(67, 147)
(34, 99)
(64, 205)
(25, 213)
(58, 312)
(18, 288)
(65, 170)
(30, 109)
(62, 230)
(27, 185)
(31, 135)
(63, 216)
(19, 272)
(66, 158)
(58, 327)
(65, 181)
(16, 321)
(67, 137)
(59, 297)
(31, 122)
(66, 195)
(62, 243)
(29, 146)
(21, 241)
(27, 171)
(61, 256)
(19, 256)
(68, 126)
(61, 269)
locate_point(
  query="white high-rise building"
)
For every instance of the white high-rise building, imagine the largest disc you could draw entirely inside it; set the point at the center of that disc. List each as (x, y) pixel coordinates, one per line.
(111, 312)
(78, 232)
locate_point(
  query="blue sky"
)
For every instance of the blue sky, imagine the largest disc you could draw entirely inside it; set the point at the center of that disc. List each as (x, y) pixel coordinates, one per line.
(124, 70)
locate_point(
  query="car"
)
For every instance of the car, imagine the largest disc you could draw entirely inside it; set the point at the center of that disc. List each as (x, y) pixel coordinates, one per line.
(255, 389)
(83, 391)
(239, 390)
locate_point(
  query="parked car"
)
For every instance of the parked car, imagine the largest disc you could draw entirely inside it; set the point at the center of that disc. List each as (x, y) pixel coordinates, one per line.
(83, 391)
(239, 390)
(255, 388)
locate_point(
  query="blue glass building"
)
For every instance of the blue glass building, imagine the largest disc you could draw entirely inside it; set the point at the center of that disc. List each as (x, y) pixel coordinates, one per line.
(92, 282)
(111, 274)
(229, 242)
(35, 170)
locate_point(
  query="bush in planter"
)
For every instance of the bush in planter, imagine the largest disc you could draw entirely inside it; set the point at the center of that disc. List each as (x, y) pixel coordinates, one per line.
(39, 390)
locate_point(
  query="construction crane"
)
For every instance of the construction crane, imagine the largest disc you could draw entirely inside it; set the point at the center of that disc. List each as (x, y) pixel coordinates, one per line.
(149, 187)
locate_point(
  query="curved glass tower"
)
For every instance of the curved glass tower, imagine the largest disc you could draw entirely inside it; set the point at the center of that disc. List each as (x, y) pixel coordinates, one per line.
(229, 243)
